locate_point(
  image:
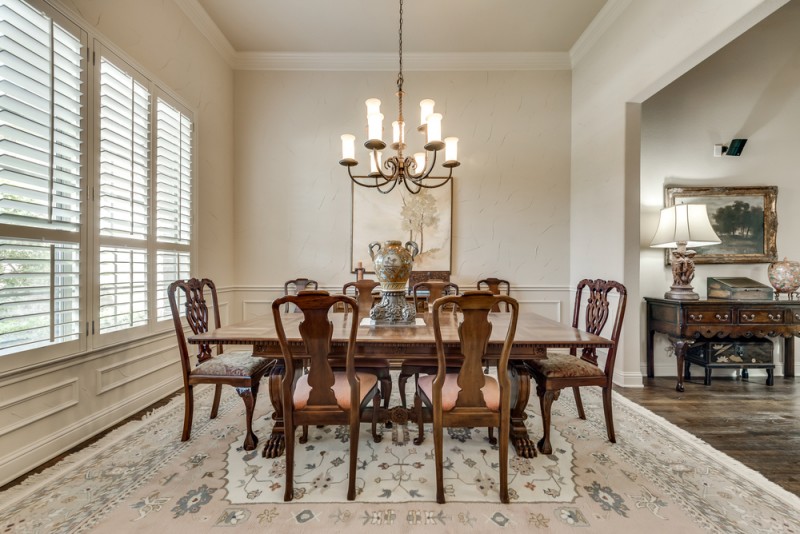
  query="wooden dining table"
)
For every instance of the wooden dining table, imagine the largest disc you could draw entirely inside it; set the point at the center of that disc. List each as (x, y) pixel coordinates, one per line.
(534, 336)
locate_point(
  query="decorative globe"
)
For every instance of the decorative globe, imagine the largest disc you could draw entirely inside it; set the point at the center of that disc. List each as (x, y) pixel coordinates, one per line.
(784, 275)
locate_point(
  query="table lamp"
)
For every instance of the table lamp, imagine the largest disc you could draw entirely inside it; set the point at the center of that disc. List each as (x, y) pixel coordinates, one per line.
(681, 226)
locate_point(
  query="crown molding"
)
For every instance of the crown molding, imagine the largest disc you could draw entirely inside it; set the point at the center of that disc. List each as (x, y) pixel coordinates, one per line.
(599, 26)
(481, 61)
(199, 17)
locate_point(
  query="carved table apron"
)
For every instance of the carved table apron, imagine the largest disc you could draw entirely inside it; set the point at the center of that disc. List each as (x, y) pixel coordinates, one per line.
(535, 334)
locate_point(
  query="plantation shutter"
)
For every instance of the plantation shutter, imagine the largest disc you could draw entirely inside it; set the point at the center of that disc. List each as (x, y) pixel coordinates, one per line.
(124, 160)
(41, 166)
(173, 175)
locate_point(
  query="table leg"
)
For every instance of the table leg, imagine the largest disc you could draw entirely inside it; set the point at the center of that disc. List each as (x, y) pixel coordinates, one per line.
(522, 442)
(680, 345)
(276, 442)
(788, 357)
(650, 363)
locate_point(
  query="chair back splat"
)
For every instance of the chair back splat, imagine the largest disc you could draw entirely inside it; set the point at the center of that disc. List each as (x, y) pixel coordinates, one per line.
(497, 287)
(295, 286)
(465, 396)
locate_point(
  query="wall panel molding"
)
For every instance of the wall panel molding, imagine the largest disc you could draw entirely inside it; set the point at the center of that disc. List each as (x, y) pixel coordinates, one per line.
(103, 374)
(17, 402)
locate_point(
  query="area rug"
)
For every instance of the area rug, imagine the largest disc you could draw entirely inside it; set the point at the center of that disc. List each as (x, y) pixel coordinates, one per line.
(656, 478)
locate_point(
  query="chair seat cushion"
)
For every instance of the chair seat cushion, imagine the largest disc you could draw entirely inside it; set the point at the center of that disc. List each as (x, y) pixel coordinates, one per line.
(341, 389)
(450, 390)
(239, 363)
(558, 365)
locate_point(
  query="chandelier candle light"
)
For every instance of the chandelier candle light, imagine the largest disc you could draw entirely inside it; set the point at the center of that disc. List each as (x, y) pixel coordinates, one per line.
(412, 171)
(681, 226)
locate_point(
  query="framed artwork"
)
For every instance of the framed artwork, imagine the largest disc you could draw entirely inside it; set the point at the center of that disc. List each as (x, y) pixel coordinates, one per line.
(425, 218)
(744, 218)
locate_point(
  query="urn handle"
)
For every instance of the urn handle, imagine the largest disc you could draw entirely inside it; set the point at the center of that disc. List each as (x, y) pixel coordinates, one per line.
(371, 247)
(412, 248)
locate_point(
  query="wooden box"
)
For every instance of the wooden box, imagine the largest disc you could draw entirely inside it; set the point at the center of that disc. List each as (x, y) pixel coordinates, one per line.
(731, 353)
(738, 288)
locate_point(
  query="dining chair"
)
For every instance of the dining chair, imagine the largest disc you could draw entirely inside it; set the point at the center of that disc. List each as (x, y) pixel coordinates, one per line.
(468, 397)
(296, 285)
(239, 369)
(380, 367)
(322, 396)
(561, 370)
(497, 287)
(409, 368)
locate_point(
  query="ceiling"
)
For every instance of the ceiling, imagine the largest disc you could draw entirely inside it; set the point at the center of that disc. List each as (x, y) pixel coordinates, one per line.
(429, 26)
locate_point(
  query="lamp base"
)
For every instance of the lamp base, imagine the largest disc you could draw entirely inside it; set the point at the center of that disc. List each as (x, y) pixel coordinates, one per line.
(681, 293)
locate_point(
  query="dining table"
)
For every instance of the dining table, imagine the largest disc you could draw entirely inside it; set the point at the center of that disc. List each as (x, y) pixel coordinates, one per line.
(535, 335)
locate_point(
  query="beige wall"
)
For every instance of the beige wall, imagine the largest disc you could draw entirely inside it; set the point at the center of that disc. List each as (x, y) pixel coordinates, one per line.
(749, 89)
(511, 193)
(649, 45)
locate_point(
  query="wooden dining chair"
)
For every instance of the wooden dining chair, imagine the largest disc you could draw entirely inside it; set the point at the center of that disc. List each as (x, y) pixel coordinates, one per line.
(323, 396)
(380, 367)
(497, 287)
(239, 369)
(560, 370)
(409, 368)
(468, 397)
(296, 285)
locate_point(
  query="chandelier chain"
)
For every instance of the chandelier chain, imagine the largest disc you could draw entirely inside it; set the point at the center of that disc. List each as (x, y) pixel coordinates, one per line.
(400, 74)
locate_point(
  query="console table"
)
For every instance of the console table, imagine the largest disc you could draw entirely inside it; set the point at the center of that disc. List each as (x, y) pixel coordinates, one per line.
(686, 321)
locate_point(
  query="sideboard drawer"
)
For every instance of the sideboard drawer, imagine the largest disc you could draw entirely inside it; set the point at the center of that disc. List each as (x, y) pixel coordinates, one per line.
(709, 316)
(773, 316)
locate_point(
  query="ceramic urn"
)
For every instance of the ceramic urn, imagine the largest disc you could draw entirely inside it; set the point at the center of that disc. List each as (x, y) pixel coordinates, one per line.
(393, 263)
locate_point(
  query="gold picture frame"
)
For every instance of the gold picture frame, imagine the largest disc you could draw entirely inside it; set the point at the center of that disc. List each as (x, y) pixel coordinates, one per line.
(745, 219)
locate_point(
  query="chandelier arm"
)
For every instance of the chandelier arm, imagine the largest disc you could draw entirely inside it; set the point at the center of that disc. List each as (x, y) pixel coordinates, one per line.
(429, 170)
(444, 180)
(391, 187)
(357, 180)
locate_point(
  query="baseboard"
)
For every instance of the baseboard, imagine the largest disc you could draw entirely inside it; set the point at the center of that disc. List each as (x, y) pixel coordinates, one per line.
(31, 455)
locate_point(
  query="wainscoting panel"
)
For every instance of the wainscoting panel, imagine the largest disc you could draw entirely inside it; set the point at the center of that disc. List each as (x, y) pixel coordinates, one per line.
(32, 405)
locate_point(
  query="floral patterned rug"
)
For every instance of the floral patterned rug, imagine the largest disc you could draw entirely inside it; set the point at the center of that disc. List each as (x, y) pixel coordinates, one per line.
(656, 478)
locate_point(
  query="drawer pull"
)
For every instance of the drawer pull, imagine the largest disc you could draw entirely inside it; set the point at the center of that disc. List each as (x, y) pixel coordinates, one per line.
(797, 316)
(751, 317)
(775, 318)
(698, 317)
(723, 317)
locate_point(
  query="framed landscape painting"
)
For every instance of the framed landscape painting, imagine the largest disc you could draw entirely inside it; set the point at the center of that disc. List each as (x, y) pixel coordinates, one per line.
(425, 218)
(744, 218)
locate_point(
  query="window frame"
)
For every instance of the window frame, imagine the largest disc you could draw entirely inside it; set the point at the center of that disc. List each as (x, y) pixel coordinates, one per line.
(95, 46)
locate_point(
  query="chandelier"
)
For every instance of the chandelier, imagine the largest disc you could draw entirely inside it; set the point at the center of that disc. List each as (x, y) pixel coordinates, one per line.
(414, 172)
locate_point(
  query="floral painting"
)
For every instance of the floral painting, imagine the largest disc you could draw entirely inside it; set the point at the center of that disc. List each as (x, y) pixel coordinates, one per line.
(425, 218)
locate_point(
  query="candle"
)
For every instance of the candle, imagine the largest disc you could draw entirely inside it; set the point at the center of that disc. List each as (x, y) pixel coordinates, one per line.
(348, 146)
(451, 149)
(434, 127)
(398, 132)
(425, 109)
(373, 106)
(375, 126)
(360, 265)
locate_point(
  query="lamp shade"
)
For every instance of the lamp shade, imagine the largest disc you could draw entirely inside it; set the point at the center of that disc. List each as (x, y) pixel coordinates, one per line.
(684, 224)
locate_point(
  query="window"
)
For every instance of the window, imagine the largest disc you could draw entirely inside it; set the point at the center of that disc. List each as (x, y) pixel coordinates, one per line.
(42, 177)
(80, 255)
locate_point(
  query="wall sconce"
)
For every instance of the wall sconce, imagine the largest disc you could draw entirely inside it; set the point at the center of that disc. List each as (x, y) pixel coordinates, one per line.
(681, 226)
(733, 149)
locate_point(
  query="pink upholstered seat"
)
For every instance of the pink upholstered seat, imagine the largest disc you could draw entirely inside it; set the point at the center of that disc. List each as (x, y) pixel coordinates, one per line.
(341, 389)
(450, 390)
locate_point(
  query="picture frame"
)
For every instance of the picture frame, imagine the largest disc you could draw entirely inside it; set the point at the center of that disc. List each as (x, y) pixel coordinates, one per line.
(425, 218)
(745, 219)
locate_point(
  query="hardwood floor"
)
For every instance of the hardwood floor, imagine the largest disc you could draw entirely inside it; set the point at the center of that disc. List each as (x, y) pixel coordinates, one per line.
(756, 424)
